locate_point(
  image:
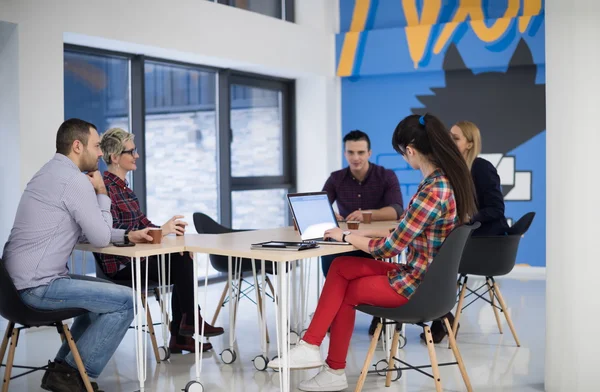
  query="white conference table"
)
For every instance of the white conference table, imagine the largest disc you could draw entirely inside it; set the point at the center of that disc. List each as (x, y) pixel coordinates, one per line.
(235, 244)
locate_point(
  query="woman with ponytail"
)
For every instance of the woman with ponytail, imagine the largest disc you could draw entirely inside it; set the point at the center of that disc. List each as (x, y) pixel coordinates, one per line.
(444, 199)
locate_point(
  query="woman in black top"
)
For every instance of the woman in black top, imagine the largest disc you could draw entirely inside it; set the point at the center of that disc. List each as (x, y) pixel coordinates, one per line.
(490, 201)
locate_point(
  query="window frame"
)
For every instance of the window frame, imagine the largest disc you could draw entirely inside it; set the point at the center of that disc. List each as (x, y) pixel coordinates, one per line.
(225, 78)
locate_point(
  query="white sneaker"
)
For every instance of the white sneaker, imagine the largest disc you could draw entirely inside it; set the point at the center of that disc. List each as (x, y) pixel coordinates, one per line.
(325, 380)
(303, 356)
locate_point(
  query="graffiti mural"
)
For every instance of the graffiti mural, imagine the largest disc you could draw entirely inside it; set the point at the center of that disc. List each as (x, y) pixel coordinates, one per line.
(475, 60)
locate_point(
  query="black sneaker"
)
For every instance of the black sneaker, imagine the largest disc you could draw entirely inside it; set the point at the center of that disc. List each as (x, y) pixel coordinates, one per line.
(61, 377)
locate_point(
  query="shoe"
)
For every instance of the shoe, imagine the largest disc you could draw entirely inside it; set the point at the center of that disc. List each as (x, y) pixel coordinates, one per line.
(51, 366)
(373, 327)
(63, 378)
(438, 329)
(325, 380)
(176, 345)
(209, 330)
(303, 356)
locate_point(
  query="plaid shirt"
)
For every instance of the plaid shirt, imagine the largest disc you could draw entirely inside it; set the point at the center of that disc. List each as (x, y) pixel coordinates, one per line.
(429, 218)
(126, 214)
(380, 188)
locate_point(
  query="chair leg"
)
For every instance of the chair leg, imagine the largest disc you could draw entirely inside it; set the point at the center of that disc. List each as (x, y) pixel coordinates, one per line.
(7, 336)
(461, 299)
(461, 364)
(78, 361)
(391, 362)
(260, 308)
(365, 369)
(220, 305)
(150, 324)
(162, 305)
(505, 310)
(11, 357)
(272, 289)
(434, 365)
(493, 299)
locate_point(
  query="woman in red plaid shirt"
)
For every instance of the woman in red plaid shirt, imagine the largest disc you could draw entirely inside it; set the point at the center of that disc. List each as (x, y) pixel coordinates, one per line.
(120, 155)
(444, 199)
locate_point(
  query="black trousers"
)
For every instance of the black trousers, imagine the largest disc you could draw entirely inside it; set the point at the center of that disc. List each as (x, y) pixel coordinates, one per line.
(182, 270)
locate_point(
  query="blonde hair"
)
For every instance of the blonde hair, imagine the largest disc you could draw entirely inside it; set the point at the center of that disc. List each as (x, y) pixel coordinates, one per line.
(472, 134)
(113, 142)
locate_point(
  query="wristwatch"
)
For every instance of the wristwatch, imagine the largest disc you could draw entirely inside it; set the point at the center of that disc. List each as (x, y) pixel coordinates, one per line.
(125, 236)
(344, 234)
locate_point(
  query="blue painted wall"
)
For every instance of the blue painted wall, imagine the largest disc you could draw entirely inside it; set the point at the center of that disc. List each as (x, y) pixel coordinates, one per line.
(482, 62)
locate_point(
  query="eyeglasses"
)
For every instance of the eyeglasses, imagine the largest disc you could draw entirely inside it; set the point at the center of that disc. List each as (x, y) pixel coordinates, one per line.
(402, 150)
(131, 152)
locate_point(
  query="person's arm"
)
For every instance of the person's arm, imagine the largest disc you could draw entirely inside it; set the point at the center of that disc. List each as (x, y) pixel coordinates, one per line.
(385, 213)
(329, 187)
(423, 211)
(490, 200)
(91, 212)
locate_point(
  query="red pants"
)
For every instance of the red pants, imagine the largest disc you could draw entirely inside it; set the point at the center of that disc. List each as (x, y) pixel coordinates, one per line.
(351, 281)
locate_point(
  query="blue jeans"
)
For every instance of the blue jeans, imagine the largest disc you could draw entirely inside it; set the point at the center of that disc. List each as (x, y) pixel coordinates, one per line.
(327, 260)
(98, 333)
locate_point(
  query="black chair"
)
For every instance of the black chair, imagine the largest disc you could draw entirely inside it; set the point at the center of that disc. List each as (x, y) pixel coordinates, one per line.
(13, 309)
(204, 224)
(491, 256)
(161, 353)
(433, 299)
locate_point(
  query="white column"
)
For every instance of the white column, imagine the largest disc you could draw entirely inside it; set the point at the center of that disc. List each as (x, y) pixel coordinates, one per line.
(573, 191)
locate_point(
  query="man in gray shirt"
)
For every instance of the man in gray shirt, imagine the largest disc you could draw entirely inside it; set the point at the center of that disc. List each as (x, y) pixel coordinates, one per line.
(61, 206)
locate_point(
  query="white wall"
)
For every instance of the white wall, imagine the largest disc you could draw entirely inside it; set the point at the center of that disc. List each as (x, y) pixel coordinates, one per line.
(572, 140)
(195, 31)
(9, 129)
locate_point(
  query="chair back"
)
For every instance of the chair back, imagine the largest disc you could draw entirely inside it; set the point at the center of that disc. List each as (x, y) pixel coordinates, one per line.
(436, 295)
(522, 225)
(204, 224)
(494, 255)
(12, 307)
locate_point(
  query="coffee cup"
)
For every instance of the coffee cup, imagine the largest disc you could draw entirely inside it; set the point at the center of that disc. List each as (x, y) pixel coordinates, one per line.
(156, 234)
(353, 225)
(367, 216)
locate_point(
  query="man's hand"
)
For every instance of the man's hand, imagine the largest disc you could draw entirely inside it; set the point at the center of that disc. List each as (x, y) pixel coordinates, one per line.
(338, 217)
(174, 225)
(335, 233)
(355, 216)
(139, 236)
(97, 182)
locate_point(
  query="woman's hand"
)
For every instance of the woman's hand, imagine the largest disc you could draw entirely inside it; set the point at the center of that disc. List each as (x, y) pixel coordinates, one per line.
(174, 225)
(335, 233)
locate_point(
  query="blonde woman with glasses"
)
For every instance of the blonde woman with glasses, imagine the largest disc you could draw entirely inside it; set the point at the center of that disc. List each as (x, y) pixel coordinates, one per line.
(490, 201)
(120, 155)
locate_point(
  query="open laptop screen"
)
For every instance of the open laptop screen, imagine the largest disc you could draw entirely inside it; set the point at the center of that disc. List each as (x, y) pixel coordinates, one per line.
(313, 214)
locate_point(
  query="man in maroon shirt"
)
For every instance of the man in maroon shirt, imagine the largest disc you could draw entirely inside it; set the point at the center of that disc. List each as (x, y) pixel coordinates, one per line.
(362, 186)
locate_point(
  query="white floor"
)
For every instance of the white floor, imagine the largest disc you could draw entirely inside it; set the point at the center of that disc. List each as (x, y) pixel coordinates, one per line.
(493, 361)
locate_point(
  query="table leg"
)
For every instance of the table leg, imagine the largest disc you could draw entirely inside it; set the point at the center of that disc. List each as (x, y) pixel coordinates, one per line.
(139, 320)
(283, 348)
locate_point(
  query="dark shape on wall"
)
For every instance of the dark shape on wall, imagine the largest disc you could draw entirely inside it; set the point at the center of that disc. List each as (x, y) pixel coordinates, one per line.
(508, 107)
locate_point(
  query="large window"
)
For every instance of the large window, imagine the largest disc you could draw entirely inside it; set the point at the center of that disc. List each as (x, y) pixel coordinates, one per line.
(210, 140)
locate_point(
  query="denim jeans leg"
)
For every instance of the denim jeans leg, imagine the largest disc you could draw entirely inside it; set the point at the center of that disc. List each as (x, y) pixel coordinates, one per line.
(98, 335)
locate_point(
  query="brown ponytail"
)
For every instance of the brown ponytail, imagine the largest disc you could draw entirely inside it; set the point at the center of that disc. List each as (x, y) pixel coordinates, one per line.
(428, 135)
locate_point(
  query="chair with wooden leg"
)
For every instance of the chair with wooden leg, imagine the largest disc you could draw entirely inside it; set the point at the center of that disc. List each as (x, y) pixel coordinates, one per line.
(490, 257)
(21, 316)
(434, 298)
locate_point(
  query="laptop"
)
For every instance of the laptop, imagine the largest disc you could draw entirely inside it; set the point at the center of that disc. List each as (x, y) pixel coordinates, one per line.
(314, 215)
